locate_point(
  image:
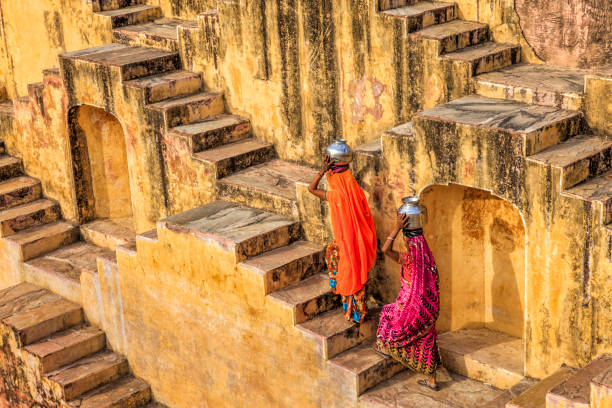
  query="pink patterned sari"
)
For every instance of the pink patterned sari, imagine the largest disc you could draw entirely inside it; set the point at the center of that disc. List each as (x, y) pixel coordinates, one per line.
(407, 329)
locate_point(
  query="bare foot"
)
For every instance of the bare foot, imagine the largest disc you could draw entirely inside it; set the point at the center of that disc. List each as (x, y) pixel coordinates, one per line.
(429, 383)
(379, 350)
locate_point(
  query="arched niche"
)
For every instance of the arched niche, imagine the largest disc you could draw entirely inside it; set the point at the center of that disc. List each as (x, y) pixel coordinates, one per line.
(100, 165)
(478, 241)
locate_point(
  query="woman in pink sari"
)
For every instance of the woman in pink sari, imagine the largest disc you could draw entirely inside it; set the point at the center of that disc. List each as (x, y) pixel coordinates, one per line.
(407, 331)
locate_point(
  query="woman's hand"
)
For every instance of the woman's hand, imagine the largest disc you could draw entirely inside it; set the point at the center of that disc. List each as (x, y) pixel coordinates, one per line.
(401, 222)
(329, 163)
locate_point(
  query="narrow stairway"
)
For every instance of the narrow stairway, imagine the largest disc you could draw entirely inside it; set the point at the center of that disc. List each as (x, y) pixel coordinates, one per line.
(67, 352)
(135, 23)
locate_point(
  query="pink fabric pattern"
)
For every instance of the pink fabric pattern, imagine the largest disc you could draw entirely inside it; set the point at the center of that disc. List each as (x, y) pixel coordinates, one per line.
(407, 327)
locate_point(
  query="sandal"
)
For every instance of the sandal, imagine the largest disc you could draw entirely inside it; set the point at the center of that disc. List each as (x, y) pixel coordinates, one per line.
(426, 384)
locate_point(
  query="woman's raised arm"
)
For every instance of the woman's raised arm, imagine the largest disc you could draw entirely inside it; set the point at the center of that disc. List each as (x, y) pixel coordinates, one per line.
(400, 223)
(313, 188)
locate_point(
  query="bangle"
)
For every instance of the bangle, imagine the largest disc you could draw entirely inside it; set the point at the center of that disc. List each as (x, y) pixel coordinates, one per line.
(391, 238)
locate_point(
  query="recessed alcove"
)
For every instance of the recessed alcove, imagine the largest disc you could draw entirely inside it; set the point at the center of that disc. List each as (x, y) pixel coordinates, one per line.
(478, 241)
(101, 175)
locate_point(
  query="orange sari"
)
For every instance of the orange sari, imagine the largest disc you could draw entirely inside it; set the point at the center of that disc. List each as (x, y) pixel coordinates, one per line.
(354, 232)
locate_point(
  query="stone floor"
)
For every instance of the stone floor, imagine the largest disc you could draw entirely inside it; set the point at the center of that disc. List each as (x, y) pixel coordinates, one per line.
(455, 391)
(110, 232)
(538, 76)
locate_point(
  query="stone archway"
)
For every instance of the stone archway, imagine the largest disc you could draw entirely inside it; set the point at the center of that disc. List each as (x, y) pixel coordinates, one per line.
(100, 165)
(478, 240)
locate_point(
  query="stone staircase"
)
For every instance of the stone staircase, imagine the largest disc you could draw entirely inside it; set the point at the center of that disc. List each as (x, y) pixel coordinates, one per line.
(67, 359)
(448, 47)
(135, 23)
(30, 224)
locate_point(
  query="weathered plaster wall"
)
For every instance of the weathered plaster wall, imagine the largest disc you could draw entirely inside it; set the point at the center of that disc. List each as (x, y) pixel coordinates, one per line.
(40, 139)
(598, 101)
(184, 9)
(478, 241)
(308, 71)
(35, 32)
(188, 308)
(105, 143)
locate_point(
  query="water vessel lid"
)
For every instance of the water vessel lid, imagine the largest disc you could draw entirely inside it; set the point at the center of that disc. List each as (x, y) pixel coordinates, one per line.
(410, 200)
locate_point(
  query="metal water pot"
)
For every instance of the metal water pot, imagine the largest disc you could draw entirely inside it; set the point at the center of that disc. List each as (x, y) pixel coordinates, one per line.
(340, 152)
(417, 214)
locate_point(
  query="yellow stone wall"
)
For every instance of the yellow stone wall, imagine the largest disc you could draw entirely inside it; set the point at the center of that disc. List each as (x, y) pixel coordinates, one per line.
(186, 302)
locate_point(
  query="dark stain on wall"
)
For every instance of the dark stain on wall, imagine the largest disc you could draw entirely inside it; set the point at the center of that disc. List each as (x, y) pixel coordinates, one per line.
(55, 29)
(323, 72)
(187, 8)
(291, 100)
(81, 168)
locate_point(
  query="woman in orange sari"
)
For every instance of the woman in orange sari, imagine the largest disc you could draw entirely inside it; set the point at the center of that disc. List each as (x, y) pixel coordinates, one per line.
(352, 253)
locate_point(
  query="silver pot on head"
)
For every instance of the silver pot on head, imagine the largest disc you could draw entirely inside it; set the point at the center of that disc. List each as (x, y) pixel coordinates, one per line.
(340, 152)
(417, 214)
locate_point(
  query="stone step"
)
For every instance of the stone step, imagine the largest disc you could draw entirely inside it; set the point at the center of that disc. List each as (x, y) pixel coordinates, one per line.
(188, 109)
(110, 233)
(137, 14)
(161, 33)
(133, 62)
(334, 334)
(287, 265)
(247, 232)
(362, 368)
(537, 127)
(270, 186)
(484, 355)
(88, 373)
(60, 270)
(127, 391)
(23, 297)
(213, 132)
(29, 326)
(236, 156)
(456, 391)
(67, 346)
(486, 57)
(562, 88)
(575, 391)
(535, 396)
(39, 240)
(7, 109)
(11, 293)
(307, 298)
(418, 15)
(28, 215)
(104, 5)
(455, 35)
(167, 85)
(19, 190)
(577, 159)
(10, 167)
(598, 191)
(601, 390)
